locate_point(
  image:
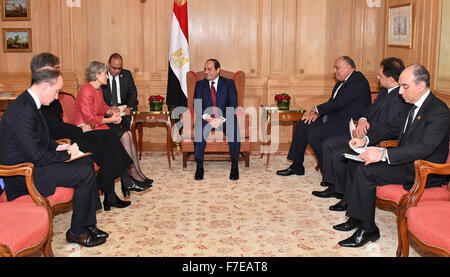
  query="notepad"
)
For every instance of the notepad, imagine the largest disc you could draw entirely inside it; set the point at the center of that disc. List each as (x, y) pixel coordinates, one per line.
(79, 156)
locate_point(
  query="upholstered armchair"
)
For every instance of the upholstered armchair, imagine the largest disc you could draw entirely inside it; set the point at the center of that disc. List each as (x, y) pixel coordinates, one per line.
(425, 222)
(25, 227)
(390, 195)
(217, 145)
(393, 195)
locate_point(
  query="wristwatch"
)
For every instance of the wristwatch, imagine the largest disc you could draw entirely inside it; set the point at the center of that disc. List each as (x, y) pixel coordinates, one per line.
(383, 155)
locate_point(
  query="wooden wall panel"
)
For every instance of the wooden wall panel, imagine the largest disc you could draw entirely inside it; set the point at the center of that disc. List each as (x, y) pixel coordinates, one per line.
(281, 45)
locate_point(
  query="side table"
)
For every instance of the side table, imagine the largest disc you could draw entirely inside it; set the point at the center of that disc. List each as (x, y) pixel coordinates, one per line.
(140, 117)
(291, 116)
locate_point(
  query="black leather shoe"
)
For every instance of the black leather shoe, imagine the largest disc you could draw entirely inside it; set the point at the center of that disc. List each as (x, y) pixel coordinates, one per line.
(87, 239)
(146, 183)
(350, 224)
(325, 184)
(234, 174)
(97, 232)
(129, 184)
(112, 200)
(125, 191)
(361, 237)
(199, 174)
(290, 171)
(328, 193)
(339, 207)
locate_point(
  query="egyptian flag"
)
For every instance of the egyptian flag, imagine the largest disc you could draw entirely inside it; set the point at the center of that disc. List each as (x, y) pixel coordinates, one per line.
(179, 60)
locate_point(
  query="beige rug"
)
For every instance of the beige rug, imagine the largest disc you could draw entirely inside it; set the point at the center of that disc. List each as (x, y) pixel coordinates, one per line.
(261, 215)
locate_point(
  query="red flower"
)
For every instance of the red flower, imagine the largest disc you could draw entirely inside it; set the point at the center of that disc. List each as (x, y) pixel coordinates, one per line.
(282, 97)
(157, 98)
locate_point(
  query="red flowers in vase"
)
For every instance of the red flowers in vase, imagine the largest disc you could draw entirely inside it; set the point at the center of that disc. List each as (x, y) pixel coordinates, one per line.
(282, 97)
(156, 98)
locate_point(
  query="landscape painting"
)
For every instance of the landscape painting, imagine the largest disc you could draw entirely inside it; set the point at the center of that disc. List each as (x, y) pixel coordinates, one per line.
(17, 40)
(15, 9)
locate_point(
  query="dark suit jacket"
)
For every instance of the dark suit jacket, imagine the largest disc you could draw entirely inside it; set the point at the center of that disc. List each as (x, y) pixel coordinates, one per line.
(24, 137)
(57, 127)
(426, 139)
(226, 96)
(353, 98)
(128, 91)
(385, 107)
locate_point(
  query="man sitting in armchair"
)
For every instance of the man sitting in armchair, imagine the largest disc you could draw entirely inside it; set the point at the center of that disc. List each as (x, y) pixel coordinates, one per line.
(214, 98)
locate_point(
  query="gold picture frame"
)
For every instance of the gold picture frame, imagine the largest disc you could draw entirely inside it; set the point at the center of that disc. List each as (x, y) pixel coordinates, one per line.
(17, 40)
(401, 26)
(15, 10)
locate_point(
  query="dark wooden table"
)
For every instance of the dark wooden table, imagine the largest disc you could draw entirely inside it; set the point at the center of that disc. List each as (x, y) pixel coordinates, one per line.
(141, 117)
(291, 116)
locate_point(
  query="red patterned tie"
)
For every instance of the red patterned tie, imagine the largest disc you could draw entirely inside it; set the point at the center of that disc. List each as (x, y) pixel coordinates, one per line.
(213, 97)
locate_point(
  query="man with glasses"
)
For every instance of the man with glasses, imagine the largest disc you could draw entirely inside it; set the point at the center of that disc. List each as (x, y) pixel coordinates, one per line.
(120, 89)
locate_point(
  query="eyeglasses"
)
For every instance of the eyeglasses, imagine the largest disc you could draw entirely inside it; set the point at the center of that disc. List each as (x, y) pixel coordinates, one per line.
(115, 68)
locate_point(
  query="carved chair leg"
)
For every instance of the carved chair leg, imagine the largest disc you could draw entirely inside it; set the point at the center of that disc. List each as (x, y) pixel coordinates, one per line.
(402, 232)
(48, 252)
(184, 159)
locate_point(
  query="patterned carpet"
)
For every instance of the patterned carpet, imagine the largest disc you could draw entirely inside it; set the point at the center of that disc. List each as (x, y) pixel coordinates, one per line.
(261, 215)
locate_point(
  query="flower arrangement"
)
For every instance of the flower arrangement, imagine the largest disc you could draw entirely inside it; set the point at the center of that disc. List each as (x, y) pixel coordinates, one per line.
(156, 98)
(283, 100)
(156, 102)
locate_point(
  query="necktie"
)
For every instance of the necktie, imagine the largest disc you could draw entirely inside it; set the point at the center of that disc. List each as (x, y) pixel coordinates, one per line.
(337, 90)
(410, 117)
(214, 99)
(114, 101)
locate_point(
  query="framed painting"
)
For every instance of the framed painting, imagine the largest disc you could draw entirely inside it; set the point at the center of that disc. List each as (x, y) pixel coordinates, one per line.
(17, 40)
(401, 26)
(15, 10)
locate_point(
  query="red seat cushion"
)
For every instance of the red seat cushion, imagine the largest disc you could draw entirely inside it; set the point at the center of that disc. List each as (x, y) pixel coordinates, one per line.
(429, 221)
(395, 192)
(22, 225)
(62, 195)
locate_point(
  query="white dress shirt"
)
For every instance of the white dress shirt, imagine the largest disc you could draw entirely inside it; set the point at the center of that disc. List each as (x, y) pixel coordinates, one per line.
(110, 79)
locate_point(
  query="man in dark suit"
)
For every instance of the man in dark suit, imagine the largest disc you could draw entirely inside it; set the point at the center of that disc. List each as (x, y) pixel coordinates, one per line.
(98, 142)
(214, 98)
(422, 133)
(350, 96)
(24, 137)
(120, 89)
(387, 106)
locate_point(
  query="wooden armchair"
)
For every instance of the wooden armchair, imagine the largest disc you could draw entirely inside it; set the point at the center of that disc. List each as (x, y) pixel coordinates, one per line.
(392, 195)
(25, 228)
(426, 222)
(60, 202)
(217, 144)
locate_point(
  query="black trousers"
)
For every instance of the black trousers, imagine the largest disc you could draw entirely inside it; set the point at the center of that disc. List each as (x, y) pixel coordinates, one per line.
(313, 134)
(79, 175)
(231, 133)
(109, 154)
(361, 188)
(335, 166)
